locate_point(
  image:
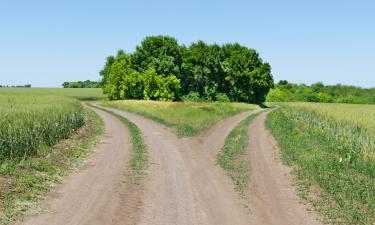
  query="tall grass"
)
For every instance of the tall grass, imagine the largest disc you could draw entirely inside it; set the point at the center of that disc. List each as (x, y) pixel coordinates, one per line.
(186, 118)
(29, 121)
(333, 147)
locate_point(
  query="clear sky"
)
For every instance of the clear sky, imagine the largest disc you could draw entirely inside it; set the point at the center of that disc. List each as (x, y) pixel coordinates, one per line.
(48, 42)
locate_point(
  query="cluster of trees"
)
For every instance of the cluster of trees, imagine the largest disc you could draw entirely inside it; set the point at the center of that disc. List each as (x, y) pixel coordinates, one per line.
(81, 84)
(162, 69)
(16, 86)
(318, 92)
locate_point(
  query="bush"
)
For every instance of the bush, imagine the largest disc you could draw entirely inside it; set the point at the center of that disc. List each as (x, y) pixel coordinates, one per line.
(192, 96)
(157, 87)
(221, 97)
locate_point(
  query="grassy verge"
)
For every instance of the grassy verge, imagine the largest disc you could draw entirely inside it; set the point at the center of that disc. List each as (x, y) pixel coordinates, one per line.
(24, 182)
(329, 149)
(186, 118)
(138, 162)
(230, 157)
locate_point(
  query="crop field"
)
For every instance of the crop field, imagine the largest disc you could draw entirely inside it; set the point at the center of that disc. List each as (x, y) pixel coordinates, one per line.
(333, 149)
(78, 93)
(186, 118)
(29, 121)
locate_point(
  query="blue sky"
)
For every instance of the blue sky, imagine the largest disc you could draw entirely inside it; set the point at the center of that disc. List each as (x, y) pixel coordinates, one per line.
(48, 42)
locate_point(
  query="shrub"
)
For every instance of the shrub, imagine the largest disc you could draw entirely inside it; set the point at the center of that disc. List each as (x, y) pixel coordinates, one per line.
(221, 97)
(192, 96)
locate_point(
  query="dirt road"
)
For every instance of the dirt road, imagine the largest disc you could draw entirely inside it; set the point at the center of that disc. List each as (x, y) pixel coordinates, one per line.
(183, 185)
(273, 199)
(93, 196)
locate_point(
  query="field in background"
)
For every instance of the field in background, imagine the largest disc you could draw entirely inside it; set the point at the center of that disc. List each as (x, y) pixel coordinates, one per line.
(78, 93)
(186, 118)
(333, 149)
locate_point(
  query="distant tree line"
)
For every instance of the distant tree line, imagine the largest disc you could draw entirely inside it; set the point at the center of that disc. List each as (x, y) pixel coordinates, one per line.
(81, 84)
(16, 86)
(318, 92)
(162, 69)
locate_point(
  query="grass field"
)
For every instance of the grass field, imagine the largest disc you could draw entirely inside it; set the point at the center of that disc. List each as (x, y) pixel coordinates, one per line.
(44, 134)
(24, 182)
(186, 118)
(78, 93)
(30, 121)
(333, 149)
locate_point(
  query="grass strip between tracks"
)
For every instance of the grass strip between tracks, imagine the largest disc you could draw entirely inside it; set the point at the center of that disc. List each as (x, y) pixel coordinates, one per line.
(231, 156)
(138, 163)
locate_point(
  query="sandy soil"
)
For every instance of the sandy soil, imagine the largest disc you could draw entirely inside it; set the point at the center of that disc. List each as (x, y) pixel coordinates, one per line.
(184, 186)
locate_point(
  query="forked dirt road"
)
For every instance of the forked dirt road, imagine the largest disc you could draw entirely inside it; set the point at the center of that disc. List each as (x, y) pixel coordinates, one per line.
(184, 186)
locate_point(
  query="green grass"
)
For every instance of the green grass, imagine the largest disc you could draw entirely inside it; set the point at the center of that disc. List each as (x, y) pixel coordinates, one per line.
(77, 93)
(332, 148)
(185, 118)
(23, 183)
(29, 121)
(138, 161)
(231, 156)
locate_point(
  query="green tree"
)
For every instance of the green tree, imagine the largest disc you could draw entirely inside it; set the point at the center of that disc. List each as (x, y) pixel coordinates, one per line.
(247, 77)
(162, 53)
(202, 70)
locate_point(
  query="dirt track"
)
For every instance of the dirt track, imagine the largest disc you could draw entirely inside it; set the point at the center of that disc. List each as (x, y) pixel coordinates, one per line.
(183, 186)
(273, 199)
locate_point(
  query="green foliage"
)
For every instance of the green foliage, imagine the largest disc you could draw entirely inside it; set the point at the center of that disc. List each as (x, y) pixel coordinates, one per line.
(202, 70)
(249, 80)
(159, 52)
(81, 84)
(122, 81)
(221, 97)
(192, 96)
(332, 147)
(186, 118)
(210, 70)
(318, 92)
(157, 87)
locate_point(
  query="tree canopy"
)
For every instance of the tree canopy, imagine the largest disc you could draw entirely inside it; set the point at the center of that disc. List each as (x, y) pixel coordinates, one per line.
(161, 69)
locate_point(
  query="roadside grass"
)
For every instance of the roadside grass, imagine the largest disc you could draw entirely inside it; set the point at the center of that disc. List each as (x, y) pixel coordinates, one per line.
(231, 156)
(139, 159)
(185, 118)
(23, 183)
(331, 147)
